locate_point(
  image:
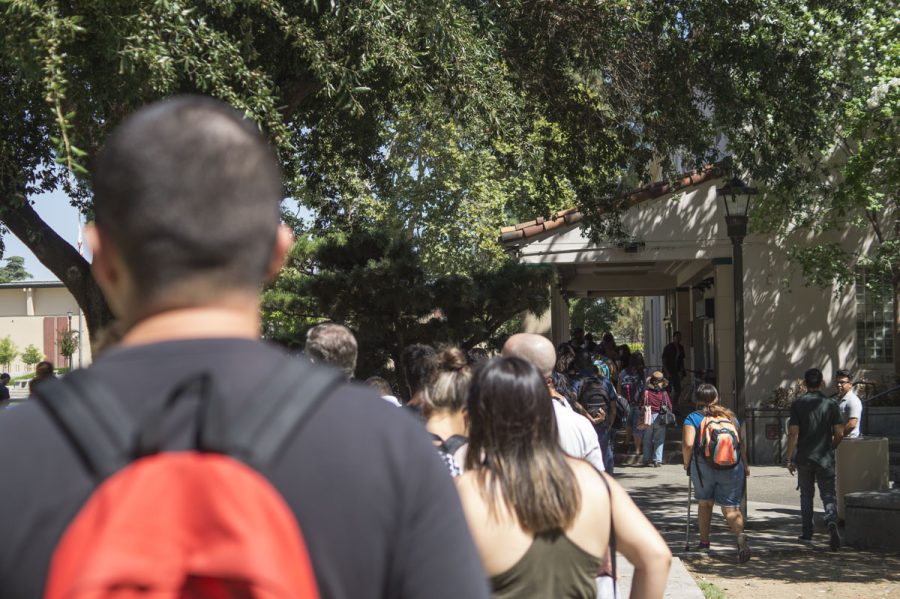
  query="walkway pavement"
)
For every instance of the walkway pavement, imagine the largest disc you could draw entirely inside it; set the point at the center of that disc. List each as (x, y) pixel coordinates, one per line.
(773, 509)
(773, 519)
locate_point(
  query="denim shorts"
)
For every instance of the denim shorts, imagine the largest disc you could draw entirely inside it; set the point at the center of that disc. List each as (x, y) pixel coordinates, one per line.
(725, 487)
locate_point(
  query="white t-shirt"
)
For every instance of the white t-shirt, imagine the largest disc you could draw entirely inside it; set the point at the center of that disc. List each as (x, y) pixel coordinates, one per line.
(577, 436)
(391, 400)
(851, 407)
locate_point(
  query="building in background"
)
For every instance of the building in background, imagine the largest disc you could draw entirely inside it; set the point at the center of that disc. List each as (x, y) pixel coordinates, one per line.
(38, 313)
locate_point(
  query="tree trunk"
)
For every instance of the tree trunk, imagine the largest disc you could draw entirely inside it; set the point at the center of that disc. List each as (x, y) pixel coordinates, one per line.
(62, 259)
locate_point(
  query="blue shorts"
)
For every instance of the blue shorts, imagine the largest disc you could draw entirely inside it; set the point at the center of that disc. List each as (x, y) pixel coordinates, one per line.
(725, 487)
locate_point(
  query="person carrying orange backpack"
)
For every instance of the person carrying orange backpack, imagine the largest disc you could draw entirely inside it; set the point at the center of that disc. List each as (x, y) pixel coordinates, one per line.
(716, 460)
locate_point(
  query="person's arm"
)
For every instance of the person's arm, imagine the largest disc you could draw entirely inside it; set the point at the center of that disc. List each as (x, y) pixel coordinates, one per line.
(855, 415)
(639, 541)
(793, 435)
(688, 436)
(591, 443)
(837, 435)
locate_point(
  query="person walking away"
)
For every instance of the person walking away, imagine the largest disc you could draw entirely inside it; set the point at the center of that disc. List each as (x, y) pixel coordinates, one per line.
(444, 408)
(333, 344)
(673, 364)
(656, 398)
(715, 458)
(815, 429)
(4, 389)
(187, 197)
(850, 405)
(541, 519)
(631, 385)
(597, 399)
(384, 389)
(577, 436)
(42, 371)
(419, 366)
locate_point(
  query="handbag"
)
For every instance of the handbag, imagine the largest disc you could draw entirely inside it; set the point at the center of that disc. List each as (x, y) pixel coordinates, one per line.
(666, 417)
(646, 416)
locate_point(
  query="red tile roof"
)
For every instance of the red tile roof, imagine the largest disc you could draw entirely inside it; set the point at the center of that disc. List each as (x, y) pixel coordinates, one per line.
(517, 233)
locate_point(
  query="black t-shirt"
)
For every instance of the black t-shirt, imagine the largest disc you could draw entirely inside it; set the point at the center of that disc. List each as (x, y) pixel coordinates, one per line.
(379, 513)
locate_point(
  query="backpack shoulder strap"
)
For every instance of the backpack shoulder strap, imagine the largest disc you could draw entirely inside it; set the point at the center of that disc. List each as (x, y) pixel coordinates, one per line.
(280, 408)
(101, 431)
(454, 443)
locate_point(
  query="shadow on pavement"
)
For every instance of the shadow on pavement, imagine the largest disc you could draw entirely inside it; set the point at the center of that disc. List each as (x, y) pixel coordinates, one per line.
(846, 565)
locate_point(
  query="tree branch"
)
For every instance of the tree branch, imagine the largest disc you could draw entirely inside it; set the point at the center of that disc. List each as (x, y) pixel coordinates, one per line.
(59, 256)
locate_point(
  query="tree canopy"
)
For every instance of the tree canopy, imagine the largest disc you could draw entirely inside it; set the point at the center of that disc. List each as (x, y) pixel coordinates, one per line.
(377, 286)
(14, 270)
(440, 121)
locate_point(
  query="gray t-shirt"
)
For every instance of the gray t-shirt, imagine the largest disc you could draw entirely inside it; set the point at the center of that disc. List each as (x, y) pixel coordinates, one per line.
(378, 512)
(851, 407)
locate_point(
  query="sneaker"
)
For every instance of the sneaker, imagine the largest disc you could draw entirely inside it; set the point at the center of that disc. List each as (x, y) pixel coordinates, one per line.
(656, 464)
(835, 540)
(805, 540)
(743, 549)
(703, 546)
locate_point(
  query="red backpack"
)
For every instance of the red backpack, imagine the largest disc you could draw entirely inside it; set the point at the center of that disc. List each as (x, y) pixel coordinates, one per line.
(197, 524)
(719, 442)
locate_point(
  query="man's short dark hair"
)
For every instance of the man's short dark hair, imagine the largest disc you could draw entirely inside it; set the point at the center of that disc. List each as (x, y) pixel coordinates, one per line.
(5, 376)
(813, 378)
(678, 333)
(190, 193)
(419, 365)
(334, 344)
(843, 374)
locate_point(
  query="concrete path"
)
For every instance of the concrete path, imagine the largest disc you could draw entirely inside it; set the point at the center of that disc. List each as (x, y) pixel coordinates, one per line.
(773, 519)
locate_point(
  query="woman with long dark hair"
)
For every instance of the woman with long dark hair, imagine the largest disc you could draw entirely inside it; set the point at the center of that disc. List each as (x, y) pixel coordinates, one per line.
(543, 521)
(715, 457)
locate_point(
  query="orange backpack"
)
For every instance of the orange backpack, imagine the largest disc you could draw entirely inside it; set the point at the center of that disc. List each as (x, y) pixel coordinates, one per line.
(719, 442)
(198, 524)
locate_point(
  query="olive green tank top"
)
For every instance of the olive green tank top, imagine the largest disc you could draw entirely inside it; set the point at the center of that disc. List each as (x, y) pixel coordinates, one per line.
(553, 566)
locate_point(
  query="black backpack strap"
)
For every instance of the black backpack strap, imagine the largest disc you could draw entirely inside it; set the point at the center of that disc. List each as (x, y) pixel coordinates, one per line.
(96, 425)
(279, 410)
(452, 444)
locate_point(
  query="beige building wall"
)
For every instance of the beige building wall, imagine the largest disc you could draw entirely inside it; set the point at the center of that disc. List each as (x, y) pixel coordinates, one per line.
(23, 317)
(789, 326)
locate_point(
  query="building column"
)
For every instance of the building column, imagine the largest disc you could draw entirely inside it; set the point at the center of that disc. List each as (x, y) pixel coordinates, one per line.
(559, 316)
(683, 311)
(724, 323)
(29, 301)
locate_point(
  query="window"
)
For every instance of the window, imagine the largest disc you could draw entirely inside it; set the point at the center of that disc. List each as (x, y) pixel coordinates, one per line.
(874, 321)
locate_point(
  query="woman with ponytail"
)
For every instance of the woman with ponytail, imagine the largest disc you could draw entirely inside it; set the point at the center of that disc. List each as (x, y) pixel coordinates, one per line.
(444, 407)
(543, 521)
(716, 460)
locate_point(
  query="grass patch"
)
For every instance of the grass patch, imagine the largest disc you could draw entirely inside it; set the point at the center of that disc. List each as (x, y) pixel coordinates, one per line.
(711, 591)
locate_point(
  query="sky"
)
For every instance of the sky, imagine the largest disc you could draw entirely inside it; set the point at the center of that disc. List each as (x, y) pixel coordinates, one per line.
(56, 211)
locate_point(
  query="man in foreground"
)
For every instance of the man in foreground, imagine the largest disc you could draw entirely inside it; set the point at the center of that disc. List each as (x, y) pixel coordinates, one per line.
(815, 429)
(187, 197)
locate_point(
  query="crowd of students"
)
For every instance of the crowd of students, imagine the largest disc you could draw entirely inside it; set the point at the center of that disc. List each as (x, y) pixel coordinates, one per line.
(544, 522)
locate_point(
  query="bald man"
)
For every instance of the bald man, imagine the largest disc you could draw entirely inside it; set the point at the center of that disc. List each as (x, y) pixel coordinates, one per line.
(577, 436)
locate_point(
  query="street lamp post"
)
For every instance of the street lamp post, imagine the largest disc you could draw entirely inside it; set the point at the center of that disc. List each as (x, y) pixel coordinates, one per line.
(736, 197)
